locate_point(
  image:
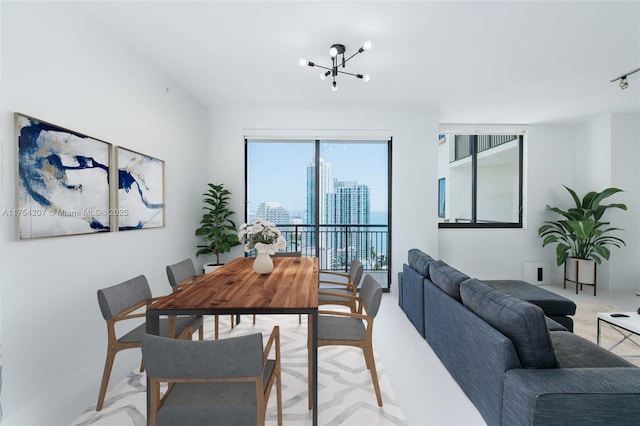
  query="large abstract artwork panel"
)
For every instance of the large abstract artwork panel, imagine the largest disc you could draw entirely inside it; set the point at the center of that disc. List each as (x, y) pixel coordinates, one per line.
(140, 191)
(63, 181)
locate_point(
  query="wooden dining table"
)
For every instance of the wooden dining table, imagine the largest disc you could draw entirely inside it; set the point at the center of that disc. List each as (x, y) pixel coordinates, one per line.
(291, 288)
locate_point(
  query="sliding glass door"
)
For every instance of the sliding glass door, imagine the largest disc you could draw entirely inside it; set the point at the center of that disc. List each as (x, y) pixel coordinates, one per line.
(330, 198)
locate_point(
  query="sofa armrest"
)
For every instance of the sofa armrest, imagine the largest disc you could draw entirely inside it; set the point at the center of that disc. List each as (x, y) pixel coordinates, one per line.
(413, 297)
(572, 396)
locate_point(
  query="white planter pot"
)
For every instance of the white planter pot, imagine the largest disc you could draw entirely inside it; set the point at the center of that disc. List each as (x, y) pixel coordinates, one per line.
(210, 267)
(580, 270)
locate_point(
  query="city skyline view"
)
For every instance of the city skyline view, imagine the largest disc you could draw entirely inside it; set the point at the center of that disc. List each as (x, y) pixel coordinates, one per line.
(341, 187)
(277, 173)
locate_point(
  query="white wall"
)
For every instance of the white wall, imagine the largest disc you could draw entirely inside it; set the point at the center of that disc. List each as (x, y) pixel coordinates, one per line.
(414, 178)
(610, 158)
(593, 155)
(625, 263)
(501, 253)
(60, 66)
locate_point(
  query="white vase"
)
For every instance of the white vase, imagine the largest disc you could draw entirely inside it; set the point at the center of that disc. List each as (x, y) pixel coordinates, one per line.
(263, 263)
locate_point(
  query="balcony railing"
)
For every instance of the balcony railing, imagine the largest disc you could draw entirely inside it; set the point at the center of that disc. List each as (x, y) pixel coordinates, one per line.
(336, 245)
(463, 143)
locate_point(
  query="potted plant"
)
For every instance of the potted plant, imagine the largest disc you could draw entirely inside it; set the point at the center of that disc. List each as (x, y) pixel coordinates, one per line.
(582, 238)
(217, 230)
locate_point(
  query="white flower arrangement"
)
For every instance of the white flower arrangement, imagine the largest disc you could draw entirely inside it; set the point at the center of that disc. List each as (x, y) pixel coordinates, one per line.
(262, 236)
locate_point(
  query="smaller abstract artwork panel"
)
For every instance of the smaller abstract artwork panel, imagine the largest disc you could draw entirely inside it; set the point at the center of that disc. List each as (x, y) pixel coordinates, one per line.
(140, 191)
(63, 181)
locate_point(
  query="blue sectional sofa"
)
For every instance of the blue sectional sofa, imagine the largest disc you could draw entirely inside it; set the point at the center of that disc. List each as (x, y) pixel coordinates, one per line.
(518, 366)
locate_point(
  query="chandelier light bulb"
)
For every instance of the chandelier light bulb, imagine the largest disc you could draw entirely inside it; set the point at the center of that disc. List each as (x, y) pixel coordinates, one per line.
(323, 76)
(367, 45)
(366, 77)
(303, 62)
(334, 86)
(333, 52)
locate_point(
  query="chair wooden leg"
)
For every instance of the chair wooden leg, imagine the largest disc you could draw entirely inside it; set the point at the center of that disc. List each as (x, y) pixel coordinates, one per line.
(201, 332)
(366, 359)
(216, 327)
(299, 319)
(254, 319)
(233, 323)
(108, 365)
(374, 374)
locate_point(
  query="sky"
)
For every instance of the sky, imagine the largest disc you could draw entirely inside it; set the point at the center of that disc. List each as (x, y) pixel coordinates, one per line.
(277, 171)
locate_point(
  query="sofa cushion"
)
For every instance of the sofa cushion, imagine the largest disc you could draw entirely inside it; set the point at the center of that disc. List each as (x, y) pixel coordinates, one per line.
(550, 302)
(447, 278)
(420, 261)
(576, 352)
(522, 322)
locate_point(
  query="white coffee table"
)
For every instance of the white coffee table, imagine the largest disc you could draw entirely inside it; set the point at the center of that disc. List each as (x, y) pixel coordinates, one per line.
(627, 327)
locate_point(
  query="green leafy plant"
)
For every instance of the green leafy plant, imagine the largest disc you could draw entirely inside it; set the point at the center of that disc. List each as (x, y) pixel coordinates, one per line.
(581, 233)
(217, 229)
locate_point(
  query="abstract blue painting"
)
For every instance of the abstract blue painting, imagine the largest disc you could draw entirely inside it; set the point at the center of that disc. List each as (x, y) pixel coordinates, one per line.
(140, 191)
(63, 181)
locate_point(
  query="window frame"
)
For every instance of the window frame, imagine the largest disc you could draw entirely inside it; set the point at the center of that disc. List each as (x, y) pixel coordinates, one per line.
(474, 188)
(317, 141)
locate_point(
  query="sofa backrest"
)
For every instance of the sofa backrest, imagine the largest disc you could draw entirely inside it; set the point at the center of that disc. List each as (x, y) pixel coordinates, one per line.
(447, 278)
(475, 353)
(419, 261)
(522, 322)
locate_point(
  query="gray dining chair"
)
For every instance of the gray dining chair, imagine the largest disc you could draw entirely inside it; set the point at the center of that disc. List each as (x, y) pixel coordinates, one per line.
(126, 301)
(336, 285)
(212, 382)
(181, 275)
(354, 328)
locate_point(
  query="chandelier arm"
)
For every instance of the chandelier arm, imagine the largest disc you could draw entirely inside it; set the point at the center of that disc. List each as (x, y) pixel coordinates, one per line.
(348, 73)
(324, 68)
(346, 60)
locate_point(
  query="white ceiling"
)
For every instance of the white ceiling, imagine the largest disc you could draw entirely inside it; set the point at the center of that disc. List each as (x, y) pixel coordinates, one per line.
(511, 62)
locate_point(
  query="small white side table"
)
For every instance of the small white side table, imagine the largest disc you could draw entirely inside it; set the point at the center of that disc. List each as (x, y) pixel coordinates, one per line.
(627, 327)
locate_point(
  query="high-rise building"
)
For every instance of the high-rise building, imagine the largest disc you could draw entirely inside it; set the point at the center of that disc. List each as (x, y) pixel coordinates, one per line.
(339, 203)
(325, 187)
(349, 205)
(273, 212)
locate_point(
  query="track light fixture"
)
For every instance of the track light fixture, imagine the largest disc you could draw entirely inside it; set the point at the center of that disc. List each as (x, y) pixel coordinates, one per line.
(624, 83)
(338, 60)
(623, 79)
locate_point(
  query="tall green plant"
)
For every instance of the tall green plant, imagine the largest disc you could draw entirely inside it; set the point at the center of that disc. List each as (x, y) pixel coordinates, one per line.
(217, 229)
(581, 233)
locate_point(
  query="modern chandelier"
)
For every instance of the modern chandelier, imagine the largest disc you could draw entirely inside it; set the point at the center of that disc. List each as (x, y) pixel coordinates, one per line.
(338, 61)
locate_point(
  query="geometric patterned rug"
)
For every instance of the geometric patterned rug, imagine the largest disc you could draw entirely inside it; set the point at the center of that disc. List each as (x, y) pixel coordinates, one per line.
(345, 390)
